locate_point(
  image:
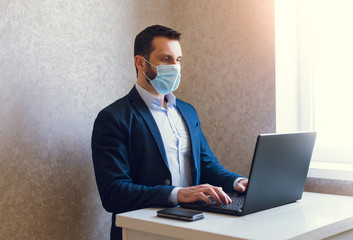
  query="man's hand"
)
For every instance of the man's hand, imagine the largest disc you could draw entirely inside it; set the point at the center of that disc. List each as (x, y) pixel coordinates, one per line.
(201, 192)
(242, 185)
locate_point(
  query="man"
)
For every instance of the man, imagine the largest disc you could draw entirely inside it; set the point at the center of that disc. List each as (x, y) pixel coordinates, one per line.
(148, 148)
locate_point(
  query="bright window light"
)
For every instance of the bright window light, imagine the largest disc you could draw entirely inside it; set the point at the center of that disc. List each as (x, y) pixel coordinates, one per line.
(331, 41)
(314, 73)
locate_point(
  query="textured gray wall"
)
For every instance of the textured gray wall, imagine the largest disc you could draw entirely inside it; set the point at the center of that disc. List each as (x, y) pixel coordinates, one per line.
(62, 61)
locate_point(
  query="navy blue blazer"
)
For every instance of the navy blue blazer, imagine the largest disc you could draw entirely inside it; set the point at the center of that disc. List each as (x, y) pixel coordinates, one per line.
(130, 162)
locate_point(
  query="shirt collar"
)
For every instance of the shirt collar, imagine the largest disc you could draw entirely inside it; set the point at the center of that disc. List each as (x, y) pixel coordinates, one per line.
(149, 98)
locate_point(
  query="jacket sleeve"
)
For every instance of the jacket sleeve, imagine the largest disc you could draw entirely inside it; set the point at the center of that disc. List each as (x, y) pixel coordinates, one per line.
(209, 170)
(212, 171)
(110, 153)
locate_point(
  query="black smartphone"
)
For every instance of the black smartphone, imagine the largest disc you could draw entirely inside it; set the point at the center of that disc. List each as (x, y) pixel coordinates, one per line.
(182, 214)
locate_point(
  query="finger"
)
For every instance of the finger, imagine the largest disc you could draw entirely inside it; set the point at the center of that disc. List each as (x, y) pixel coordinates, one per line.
(246, 183)
(229, 200)
(241, 185)
(222, 195)
(241, 188)
(192, 194)
(207, 189)
(205, 198)
(225, 198)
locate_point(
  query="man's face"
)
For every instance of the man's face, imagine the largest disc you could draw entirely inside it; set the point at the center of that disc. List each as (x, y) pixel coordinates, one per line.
(165, 52)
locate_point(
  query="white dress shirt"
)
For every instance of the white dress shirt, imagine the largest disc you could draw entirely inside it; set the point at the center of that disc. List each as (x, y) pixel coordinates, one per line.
(175, 136)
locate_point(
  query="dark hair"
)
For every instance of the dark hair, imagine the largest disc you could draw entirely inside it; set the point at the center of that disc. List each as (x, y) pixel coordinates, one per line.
(143, 41)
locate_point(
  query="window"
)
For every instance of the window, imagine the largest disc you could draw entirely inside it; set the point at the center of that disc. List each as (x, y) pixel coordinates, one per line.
(314, 74)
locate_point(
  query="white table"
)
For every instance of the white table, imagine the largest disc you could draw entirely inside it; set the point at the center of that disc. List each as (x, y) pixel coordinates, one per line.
(316, 216)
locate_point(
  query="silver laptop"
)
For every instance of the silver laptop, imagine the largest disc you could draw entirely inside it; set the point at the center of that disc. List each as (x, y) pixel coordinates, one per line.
(277, 176)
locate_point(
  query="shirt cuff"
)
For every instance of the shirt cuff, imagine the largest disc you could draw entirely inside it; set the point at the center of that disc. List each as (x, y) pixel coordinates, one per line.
(173, 197)
(236, 182)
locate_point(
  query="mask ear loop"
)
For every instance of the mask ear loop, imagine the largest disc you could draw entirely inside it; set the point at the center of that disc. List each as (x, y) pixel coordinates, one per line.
(144, 71)
(146, 76)
(149, 62)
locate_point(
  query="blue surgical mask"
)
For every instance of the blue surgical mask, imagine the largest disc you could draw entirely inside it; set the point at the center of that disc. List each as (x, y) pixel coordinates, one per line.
(167, 79)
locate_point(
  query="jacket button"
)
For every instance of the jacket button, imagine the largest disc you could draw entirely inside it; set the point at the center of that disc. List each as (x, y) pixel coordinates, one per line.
(167, 182)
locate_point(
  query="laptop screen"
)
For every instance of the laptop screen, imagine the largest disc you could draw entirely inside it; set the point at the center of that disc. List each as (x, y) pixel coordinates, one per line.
(279, 170)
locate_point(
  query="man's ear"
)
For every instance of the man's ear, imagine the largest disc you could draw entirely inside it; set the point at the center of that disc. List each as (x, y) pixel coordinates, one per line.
(140, 63)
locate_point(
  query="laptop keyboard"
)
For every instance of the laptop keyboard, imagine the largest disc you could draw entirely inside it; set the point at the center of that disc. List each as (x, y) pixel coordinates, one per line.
(233, 208)
(236, 204)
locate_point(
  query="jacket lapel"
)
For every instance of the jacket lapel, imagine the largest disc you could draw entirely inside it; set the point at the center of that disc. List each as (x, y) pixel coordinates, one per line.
(192, 125)
(145, 113)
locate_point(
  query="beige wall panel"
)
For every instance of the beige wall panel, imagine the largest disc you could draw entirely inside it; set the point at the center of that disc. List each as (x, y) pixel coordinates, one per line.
(228, 73)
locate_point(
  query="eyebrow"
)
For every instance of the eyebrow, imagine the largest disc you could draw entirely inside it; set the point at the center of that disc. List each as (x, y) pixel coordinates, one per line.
(168, 55)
